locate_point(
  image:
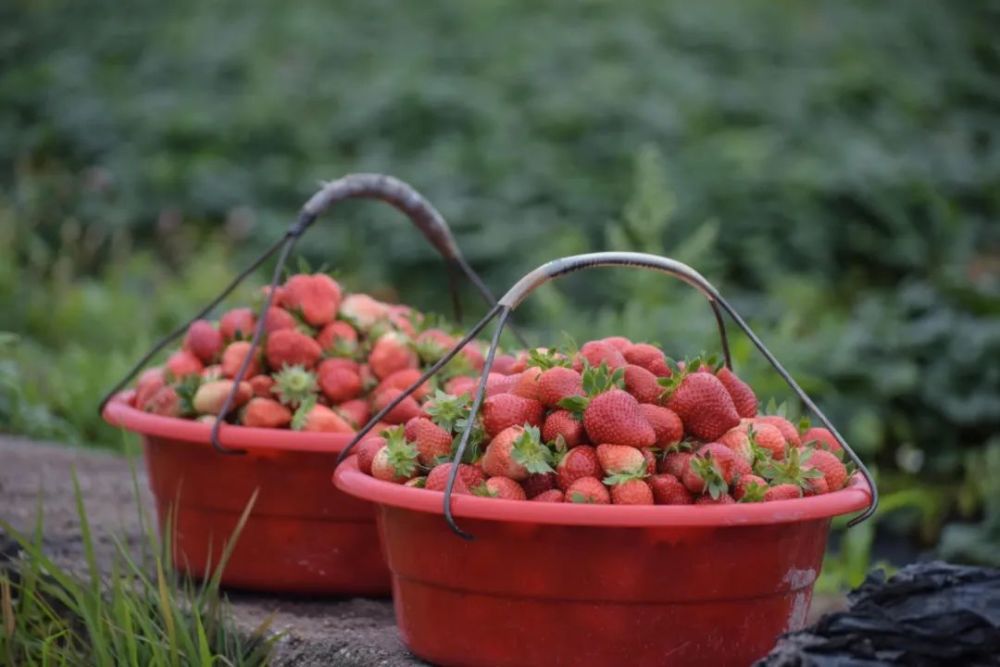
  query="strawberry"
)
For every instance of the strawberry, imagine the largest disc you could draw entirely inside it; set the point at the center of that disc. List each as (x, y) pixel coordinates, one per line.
(816, 486)
(782, 492)
(620, 343)
(749, 488)
(704, 406)
(182, 363)
(743, 397)
(402, 413)
(164, 402)
(712, 469)
(497, 384)
(588, 490)
(403, 379)
(650, 457)
(595, 353)
(338, 337)
(203, 340)
(667, 426)
(503, 488)
(526, 385)
(724, 499)
(403, 318)
(232, 359)
(416, 482)
(668, 490)
(311, 417)
(769, 439)
(294, 385)
(468, 478)
(278, 319)
(795, 469)
(631, 492)
(788, 430)
(642, 384)
(366, 451)
(613, 417)
(461, 385)
(356, 411)
(432, 441)
(237, 323)
(315, 297)
(338, 382)
(647, 356)
(503, 363)
(262, 385)
(738, 440)
(564, 424)
(538, 483)
(620, 459)
(558, 383)
(432, 344)
(397, 460)
(505, 410)
(363, 311)
(210, 373)
(833, 470)
(675, 463)
(211, 395)
(266, 413)
(289, 347)
(576, 463)
(550, 496)
(823, 438)
(148, 384)
(392, 352)
(473, 356)
(516, 452)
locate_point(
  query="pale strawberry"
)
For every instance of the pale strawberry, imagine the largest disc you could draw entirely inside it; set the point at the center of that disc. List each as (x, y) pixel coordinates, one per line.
(724, 499)
(238, 323)
(516, 452)
(505, 410)
(617, 459)
(210, 396)
(289, 347)
(432, 441)
(461, 385)
(668, 490)
(815, 486)
(558, 383)
(363, 311)
(667, 426)
(164, 402)
(232, 359)
(631, 492)
(704, 406)
(712, 469)
(743, 397)
(319, 418)
(392, 352)
(565, 424)
(502, 488)
(576, 463)
(204, 341)
(787, 428)
(769, 439)
(149, 382)
(497, 383)
(394, 463)
(266, 413)
(738, 440)
(315, 297)
(614, 417)
(588, 490)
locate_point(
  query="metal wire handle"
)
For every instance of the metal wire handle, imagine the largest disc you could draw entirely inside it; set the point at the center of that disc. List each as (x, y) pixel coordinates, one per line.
(352, 186)
(560, 267)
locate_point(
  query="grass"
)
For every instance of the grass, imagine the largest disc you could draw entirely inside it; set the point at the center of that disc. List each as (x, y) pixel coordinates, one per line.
(139, 611)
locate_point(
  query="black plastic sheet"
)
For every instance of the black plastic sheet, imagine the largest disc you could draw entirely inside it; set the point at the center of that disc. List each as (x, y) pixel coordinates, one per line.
(928, 614)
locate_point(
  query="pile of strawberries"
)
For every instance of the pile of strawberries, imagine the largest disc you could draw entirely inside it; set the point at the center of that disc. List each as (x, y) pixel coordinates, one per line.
(613, 422)
(327, 362)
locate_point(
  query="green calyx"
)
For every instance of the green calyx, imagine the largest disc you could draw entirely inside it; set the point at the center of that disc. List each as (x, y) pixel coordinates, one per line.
(579, 498)
(753, 493)
(601, 379)
(546, 359)
(446, 410)
(402, 454)
(626, 476)
(705, 468)
(483, 491)
(529, 451)
(294, 385)
(791, 470)
(301, 415)
(186, 389)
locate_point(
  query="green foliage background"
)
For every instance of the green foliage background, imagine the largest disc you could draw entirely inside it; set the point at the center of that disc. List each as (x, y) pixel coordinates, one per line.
(834, 167)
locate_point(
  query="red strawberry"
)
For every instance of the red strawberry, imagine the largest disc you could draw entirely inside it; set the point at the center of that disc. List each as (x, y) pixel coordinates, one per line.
(266, 413)
(335, 334)
(650, 457)
(164, 402)
(210, 396)
(431, 441)
(526, 385)
(366, 451)
(182, 363)
(738, 440)
(319, 418)
(642, 384)
(704, 406)
(357, 411)
(632, 492)
(402, 317)
(782, 492)
(402, 413)
(392, 352)
(815, 486)
(550, 496)
(667, 426)
(675, 463)
(468, 478)
(148, 384)
(262, 385)
(460, 385)
(497, 384)
(403, 379)
(503, 363)
(620, 343)
(390, 465)
(503, 488)
(578, 462)
(588, 490)
(618, 459)
(749, 488)
(834, 472)
(338, 382)
(538, 483)
(315, 297)
(614, 418)
(289, 347)
(277, 319)
(769, 438)
(743, 397)
(596, 353)
(558, 383)
(516, 452)
(505, 410)
(649, 357)
(724, 499)
(823, 437)
(474, 356)
(563, 423)
(237, 323)
(432, 344)
(788, 430)
(363, 311)
(712, 468)
(203, 340)
(668, 490)
(233, 358)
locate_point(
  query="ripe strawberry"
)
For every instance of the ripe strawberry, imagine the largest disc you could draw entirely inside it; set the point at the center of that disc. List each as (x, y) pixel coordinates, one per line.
(538, 483)
(526, 385)
(366, 451)
(182, 363)
(266, 413)
(164, 402)
(620, 343)
(278, 319)
(237, 323)
(738, 440)
(834, 472)
(558, 383)
(392, 352)
(769, 439)
(614, 418)
(397, 461)
(468, 478)
(815, 486)
(474, 356)
(596, 353)
(675, 463)
(788, 430)
(403, 379)
(503, 363)
(712, 469)
(620, 459)
(588, 490)
(497, 384)
(565, 424)
(782, 492)
(289, 347)
(503, 488)
(631, 492)
(550, 496)
(148, 384)
(316, 297)
(505, 410)
(294, 385)
(262, 385)
(642, 384)
(311, 417)
(461, 385)
(203, 340)
(403, 317)
(667, 426)
(823, 438)
(402, 413)
(650, 456)
(576, 463)
(363, 311)
(356, 411)
(743, 397)
(432, 441)
(210, 396)
(647, 356)
(668, 490)
(338, 336)
(749, 488)
(233, 358)
(338, 382)
(724, 499)
(516, 452)
(432, 344)
(704, 406)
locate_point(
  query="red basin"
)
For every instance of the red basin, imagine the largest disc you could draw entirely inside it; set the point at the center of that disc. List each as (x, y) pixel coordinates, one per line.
(566, 584)
(299, 538)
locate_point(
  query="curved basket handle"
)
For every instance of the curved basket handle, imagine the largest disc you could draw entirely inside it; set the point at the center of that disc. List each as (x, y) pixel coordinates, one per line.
(560, 267)
(352, 186)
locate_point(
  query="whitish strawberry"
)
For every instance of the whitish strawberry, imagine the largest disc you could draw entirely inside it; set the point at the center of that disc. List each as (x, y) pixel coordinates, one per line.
(675, 463)
(782, 492)
(503, 488)
(182, 363)
(356, 411)
(468, 478)
(550, 496)
(576, 463)
(392, 352)
(262, 385)
(397, 460)
(749, 489)
(339, 338)
(704, 406)
(667, 426)
(505, 410)
(558, 383)
(724, 499)
(620, 459)
(315, 297)
(294, 385)
(237, 323)
(649, 357)
(366, 451)
(564, 424)
(527, 384)
(164, 402)
(211, 395)
(516, 452)
(266, 413)
(822, 438)
(416, 482)
(402, 413)
(289, 347)
(632, 491)
(311, 417)
(743, 397)
(788, 430)
(834, 472)
(203, 340)
(614, 417)
(668, 490)
(538, 483)
(769, 439)
(339, 382)
(642, 384)
(278, 319)
(595, 353)
(432, 441)
(363, 311)
(233, 358)
(211, 373)
(588, 490)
